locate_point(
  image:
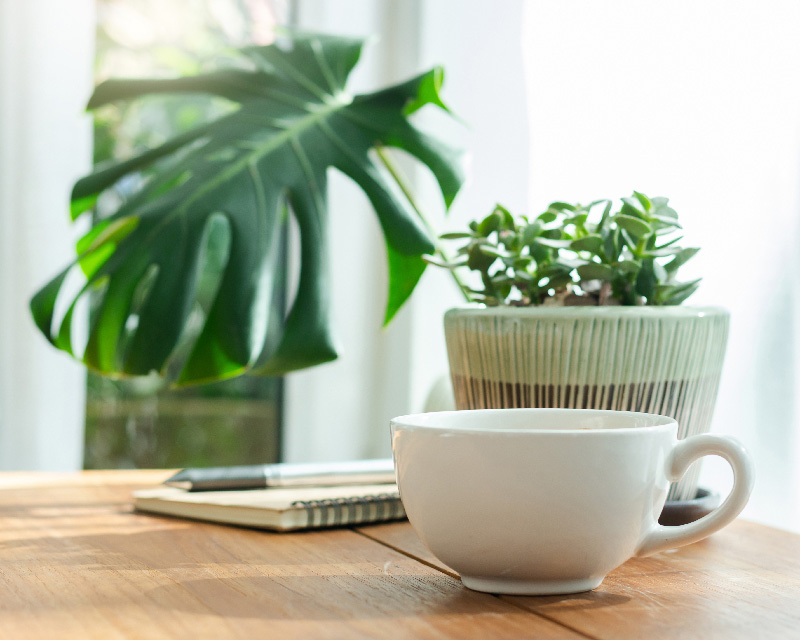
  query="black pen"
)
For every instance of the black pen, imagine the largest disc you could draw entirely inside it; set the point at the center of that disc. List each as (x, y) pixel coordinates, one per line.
(285, 474)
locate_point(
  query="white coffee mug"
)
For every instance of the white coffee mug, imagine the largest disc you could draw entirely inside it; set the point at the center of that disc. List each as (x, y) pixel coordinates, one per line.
(548, 501)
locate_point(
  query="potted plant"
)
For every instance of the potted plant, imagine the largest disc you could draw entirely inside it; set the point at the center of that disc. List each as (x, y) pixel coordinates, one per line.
(580, 307)
(184, 269)
(182, 272)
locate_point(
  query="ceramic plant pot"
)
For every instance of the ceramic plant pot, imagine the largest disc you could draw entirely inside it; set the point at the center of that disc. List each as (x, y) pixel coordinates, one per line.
(662, 360)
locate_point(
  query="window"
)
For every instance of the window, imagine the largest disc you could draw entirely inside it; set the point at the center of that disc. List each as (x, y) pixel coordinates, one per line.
(141, 422)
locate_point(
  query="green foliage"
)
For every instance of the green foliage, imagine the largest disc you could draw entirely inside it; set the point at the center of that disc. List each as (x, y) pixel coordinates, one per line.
(186, 266)
(577, 254)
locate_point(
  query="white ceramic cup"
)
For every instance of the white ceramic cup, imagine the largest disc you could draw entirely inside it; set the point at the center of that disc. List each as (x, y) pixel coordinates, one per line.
(548, 501)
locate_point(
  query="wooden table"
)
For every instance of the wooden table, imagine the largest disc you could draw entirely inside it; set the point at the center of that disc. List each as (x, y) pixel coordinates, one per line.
(76, 562)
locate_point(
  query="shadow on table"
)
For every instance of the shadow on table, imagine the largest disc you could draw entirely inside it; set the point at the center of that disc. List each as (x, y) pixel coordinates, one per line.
(328, 597)
(597, 599)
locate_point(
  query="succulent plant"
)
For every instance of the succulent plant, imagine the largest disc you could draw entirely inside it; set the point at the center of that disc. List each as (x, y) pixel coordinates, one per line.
(573, 254)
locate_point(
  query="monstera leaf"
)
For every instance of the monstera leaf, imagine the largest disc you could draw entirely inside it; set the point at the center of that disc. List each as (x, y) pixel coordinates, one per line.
(219, 195)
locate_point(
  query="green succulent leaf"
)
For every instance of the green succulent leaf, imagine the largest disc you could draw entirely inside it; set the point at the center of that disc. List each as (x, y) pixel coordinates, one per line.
(660, 208)
(595, 271)
(628, 266)
(495, 252)
(555, 233)
(508, 221)
(680, 259)
(611, 244)
(578, 219)
(490, 224)
(659, 271)
(556, 268)
(524, 276)
(643, 200)
(681, 292)
(666, 221)
(592, 243)
(674, 240)
(559, 281)
(627, 241)
(635, 226)
(569, 263)
(232, 179)
(477, 260)
(562, 206)
(647, 279)
(632, 207)
(659, 202)
(604, 218)
(540, 253)
(530, 232)
(663, 252)
(547, 217)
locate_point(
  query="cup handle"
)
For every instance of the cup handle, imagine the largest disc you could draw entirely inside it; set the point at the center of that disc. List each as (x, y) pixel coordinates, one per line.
(684, 453)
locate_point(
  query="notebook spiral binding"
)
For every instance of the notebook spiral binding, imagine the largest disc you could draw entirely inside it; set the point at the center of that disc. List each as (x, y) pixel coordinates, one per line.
(342, 511)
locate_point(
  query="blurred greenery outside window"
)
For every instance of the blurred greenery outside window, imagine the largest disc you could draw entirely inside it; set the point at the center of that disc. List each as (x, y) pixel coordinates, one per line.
(140, 423)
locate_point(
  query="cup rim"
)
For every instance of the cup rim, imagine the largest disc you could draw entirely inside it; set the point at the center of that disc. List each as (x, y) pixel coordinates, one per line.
(420, 421)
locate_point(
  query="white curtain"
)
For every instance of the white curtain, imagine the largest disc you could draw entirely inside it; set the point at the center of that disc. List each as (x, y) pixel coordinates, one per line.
(46, 65)
(699, 102)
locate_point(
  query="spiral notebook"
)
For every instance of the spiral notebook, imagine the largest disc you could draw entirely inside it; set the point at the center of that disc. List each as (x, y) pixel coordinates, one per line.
(278, 509)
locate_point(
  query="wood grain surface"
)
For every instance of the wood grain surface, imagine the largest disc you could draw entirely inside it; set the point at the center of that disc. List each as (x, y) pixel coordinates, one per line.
(743, 582)
(76, 562)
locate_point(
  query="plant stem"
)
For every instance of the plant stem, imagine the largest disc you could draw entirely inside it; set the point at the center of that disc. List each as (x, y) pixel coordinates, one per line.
(395, 173)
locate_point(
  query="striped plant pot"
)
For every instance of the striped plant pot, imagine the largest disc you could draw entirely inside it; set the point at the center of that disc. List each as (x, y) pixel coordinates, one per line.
(664, 360)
